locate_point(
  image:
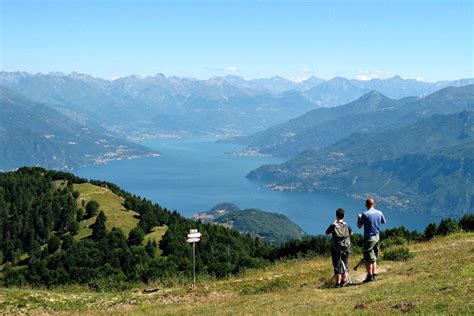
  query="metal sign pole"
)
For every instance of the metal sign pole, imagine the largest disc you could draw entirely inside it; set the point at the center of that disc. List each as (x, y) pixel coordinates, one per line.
(194, 264)
(193, 237)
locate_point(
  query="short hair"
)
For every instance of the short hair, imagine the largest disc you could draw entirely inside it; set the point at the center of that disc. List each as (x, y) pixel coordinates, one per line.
(340, 213)
(370, 202)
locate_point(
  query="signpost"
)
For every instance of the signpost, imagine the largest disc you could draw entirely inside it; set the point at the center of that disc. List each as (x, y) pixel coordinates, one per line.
(193, 237)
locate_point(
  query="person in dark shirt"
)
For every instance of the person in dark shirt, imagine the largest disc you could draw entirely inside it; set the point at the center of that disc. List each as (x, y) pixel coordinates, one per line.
(371, 220)
(341, 234)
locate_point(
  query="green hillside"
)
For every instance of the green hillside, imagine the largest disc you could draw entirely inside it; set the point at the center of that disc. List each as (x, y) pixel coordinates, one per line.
(110, 203)
(272, 227)
(437, 281)
(47, 240)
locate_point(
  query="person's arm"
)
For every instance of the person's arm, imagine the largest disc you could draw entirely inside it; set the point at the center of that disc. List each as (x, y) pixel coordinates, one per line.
(383, 219)
(330, 229)
(350, 230)
(360, 222)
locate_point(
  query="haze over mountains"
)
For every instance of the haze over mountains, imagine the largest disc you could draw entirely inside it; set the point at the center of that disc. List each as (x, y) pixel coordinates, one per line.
(230, 105)
(32, 133)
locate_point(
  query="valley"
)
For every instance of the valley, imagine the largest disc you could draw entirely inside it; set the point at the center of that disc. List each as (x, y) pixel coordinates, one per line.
(194, 174)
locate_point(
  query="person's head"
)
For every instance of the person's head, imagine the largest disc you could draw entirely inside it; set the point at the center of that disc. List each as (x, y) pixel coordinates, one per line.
(369, 203)
(340, 213)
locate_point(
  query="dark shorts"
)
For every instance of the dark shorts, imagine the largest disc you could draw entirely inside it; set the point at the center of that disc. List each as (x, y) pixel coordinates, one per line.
(371, 249)
(337, 259)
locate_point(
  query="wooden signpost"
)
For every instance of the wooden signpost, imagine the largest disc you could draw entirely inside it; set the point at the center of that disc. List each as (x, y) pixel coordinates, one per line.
(193, 237)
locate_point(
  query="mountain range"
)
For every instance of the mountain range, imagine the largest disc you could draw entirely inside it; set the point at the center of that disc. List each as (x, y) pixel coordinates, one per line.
(67, 121)
(373, 112)
(426, 166)
(140, 107)
(31, 133)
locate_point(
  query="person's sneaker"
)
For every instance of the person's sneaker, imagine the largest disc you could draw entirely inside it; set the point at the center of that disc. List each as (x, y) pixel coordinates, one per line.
(343, 283)
(368, 279)
(337, 285)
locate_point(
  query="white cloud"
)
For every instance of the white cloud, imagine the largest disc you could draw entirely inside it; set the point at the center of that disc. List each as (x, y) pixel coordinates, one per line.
(369, 75)
(231, 69)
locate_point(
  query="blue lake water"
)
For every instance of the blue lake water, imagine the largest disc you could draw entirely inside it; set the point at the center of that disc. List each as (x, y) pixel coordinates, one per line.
(193, 175)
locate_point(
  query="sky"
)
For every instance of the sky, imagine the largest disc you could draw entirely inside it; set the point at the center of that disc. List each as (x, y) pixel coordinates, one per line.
(428, 40)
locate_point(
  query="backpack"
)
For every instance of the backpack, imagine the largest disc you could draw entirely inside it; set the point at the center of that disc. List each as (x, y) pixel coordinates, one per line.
(341, 237)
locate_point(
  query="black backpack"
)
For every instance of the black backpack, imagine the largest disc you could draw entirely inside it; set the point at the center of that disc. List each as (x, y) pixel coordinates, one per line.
(342, 237)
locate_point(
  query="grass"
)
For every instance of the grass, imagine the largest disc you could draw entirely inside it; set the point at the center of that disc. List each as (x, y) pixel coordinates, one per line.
(157, 234)
(112, 205)
(437, 281)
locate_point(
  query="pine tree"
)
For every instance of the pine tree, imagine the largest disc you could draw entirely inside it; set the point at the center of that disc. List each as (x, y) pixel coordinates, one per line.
(98, 228)
(136, 236)
(92, 207)
(68, 242)
(431, 230)
(53, 243)
(150, 248)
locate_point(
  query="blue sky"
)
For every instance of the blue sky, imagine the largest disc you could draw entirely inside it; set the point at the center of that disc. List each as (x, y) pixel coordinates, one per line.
(432, 40)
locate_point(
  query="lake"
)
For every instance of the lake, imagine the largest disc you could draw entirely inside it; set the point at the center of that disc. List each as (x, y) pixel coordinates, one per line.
(193, 175)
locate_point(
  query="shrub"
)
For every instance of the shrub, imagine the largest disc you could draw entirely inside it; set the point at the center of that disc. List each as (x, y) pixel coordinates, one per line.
(392, 241)
(92, 208)
(13, 276)
(397, 253)
(80, 215)
(110, 283)
(74, 227)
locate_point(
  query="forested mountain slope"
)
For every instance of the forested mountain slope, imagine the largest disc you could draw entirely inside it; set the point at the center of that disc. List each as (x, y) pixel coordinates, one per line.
(32, 134)
(49, 237)
(372, 112)
(424, 167)
(271, 227)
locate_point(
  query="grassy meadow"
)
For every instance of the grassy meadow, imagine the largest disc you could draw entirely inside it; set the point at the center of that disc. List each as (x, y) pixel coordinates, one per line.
(438, 280)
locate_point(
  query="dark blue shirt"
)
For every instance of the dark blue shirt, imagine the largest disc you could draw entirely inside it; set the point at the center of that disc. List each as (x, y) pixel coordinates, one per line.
(372, 219)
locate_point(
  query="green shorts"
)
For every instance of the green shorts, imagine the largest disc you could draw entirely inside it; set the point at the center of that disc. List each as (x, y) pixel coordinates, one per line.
(371, 249)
